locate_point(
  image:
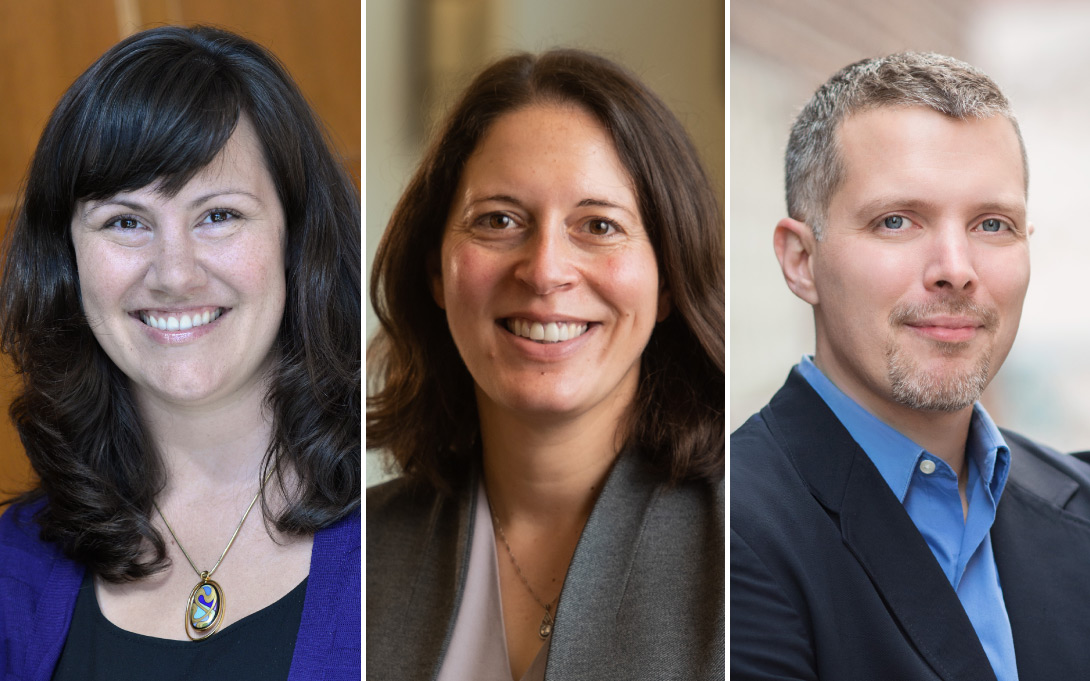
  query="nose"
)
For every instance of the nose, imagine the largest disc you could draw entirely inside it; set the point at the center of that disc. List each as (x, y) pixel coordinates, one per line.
(950, 267)
(547, 261)
(175, 268)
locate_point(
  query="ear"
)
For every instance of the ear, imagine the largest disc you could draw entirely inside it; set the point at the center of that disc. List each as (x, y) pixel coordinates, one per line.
(1030, 229)
(794, 243)
(435, 279)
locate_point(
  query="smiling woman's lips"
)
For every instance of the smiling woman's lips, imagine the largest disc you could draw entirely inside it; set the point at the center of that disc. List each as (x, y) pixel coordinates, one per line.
(180, 322)
(549, 332)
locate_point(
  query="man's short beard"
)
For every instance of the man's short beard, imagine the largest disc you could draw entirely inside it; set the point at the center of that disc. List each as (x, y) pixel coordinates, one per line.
(917, 388)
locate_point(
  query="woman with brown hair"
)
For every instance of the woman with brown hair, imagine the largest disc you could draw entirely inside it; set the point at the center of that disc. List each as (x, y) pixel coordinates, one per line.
(549, 381)
(181, 298)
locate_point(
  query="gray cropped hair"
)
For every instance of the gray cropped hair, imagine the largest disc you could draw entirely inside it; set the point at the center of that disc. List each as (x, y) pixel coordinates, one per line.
(813, 166)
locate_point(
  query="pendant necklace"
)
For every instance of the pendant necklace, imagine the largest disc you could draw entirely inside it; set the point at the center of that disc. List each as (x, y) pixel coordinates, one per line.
(204, 611)
(546, 627)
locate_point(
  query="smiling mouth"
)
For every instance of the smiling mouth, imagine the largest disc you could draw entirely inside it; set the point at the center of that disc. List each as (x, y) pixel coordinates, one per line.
(180, 322)
(552, 332)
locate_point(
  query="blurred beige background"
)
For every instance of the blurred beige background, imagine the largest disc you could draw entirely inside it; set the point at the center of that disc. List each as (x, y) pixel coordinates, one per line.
(781, 50)
(422, 53)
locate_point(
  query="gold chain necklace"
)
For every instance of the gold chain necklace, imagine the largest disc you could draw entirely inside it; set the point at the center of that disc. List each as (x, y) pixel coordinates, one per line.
(204, 611)
(546, 627)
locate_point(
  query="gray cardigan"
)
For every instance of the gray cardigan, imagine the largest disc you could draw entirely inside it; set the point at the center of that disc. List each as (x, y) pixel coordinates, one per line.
(643, 598)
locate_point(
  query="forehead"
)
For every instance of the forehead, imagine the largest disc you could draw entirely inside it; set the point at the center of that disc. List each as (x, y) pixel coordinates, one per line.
(543, 141)
(925, 156)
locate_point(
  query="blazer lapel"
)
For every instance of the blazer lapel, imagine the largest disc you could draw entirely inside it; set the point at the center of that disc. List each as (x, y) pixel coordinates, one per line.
(1046, 590)
(426, 619)
(595, 584)
(878, 532)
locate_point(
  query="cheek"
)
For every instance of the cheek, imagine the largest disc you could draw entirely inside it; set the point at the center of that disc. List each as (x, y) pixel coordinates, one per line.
(103, 276)
(631, 282)
(469, 277)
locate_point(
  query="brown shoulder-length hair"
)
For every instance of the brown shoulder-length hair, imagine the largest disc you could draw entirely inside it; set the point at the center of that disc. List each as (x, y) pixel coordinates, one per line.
(157, 108)
(421, 406)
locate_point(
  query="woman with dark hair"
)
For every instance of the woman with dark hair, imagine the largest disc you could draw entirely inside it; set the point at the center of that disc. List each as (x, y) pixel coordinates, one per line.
(548, 381)
(180, 296)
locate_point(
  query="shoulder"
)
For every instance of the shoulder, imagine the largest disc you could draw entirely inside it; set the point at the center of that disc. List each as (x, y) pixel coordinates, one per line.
(23, 554)
(1053, 478)
(38, 588)
(342, 536)
(402, 515)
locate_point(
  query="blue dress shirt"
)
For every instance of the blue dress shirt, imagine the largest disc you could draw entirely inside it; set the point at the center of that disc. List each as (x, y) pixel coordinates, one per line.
(928, 488)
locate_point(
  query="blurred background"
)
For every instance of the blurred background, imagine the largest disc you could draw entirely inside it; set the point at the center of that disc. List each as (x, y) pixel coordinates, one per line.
(46, 44)
(422, 53)
(782, 50)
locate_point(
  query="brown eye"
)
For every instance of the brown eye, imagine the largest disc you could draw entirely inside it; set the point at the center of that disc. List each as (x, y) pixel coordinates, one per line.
(125, 224)
(600, 227)
(500, 221)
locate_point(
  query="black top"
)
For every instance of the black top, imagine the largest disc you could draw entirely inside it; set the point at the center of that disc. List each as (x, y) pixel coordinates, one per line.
(257, 647)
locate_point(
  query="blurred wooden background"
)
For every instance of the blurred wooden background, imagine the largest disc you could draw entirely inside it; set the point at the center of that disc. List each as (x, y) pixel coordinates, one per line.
(46, 44)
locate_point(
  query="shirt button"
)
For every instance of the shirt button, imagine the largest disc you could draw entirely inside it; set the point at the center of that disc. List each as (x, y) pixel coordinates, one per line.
(927, 466)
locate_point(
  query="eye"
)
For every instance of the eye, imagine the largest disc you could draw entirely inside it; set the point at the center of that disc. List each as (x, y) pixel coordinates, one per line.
(498, 221)
(896, 222)
(219, 215)
(125, 223)
(601, 227)
(993, 225)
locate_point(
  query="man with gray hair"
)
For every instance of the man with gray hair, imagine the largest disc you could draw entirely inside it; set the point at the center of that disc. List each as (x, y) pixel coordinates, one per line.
(882, 526)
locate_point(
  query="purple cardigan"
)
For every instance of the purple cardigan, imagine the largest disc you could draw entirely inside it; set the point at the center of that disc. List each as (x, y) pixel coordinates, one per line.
(38, 588)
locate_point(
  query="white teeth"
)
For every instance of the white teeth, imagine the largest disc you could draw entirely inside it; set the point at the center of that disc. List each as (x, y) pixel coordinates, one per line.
(183, 323)
(552, 332)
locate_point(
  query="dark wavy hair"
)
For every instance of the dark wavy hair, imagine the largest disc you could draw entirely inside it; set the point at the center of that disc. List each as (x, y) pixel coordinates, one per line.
(421, 407)
(157, 108)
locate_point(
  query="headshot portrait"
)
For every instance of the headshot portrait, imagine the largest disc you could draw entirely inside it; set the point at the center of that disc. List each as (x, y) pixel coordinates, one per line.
(180, 304)
(889, 516)
(546, 376)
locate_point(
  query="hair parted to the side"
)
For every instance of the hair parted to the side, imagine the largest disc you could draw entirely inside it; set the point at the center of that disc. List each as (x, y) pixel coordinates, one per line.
(421, 405)
(157, 108)
(813, 167)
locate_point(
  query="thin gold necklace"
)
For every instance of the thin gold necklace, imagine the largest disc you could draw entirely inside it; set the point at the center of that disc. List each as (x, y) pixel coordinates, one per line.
(204, 611)
(546, 627)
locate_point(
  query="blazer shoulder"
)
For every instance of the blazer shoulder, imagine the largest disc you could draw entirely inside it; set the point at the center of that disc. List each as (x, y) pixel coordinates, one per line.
(1057, 479)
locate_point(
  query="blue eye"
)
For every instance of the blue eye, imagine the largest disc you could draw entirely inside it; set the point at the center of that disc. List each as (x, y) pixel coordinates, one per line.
(992, 225)
(894, 222)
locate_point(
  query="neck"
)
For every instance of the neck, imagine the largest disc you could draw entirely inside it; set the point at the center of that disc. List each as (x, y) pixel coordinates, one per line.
(544, 470)
(211, 447)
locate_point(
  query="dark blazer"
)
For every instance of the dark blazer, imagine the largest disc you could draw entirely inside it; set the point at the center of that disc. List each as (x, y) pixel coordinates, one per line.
(830, 579)
(643, 597)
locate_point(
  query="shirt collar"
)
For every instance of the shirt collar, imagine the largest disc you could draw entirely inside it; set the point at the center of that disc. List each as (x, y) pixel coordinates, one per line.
(895, 455)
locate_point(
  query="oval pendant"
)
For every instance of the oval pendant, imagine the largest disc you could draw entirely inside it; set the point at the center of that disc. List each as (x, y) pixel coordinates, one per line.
(546, 627)
(204, 611)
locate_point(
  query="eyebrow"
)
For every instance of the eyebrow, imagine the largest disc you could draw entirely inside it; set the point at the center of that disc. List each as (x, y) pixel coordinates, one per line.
(138, 206)
(506, 198)
(888, 203)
